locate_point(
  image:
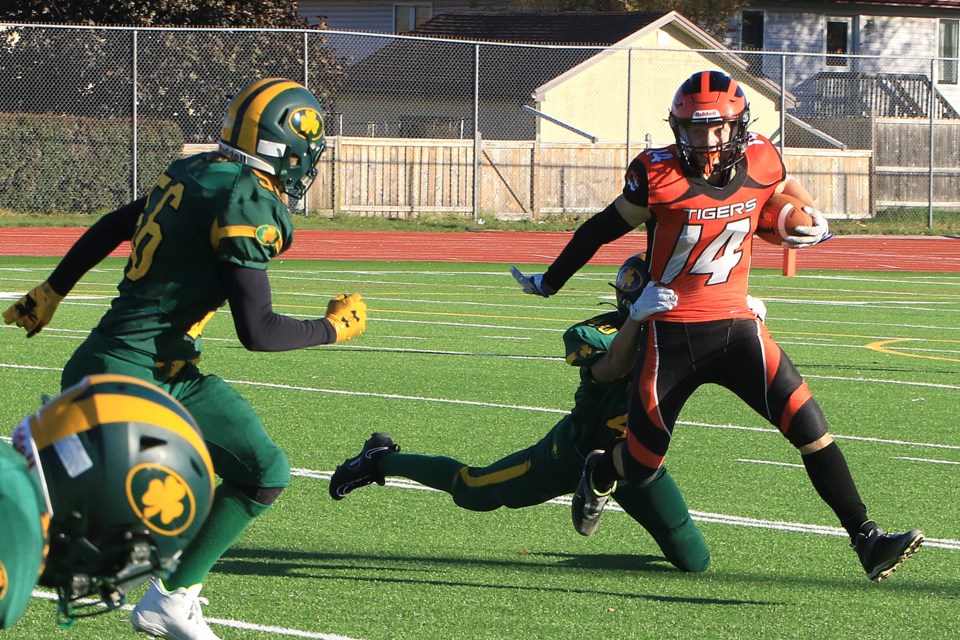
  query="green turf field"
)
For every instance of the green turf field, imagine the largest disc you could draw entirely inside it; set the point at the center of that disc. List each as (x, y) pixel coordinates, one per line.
(457, 361)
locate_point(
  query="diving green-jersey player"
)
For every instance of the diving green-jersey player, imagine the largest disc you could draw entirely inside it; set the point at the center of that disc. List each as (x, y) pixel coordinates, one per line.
(604, 349)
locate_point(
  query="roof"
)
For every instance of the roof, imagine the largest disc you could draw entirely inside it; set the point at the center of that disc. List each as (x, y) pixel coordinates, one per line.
(570, 28)
(407, 66)
(414, 67)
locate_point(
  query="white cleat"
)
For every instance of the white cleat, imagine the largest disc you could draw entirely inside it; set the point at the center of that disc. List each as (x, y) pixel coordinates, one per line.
(174, 615)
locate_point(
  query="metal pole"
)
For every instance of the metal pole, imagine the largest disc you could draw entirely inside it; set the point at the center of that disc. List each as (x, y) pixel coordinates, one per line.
(476, 132)
(134, 184)
(783, 103)
(306, 83)
(933, 107)
(629, 98)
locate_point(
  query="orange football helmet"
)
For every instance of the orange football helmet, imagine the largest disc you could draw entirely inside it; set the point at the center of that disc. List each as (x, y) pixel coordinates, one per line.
(710, 97)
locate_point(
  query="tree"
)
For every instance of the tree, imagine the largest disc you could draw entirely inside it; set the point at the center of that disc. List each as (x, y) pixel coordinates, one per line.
(185, 76)
(155, 13)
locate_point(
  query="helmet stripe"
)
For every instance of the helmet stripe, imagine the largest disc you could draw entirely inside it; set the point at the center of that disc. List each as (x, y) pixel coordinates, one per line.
(236, 106)
(250, 110)
(121, 384)
(106, 402)
(706, 82)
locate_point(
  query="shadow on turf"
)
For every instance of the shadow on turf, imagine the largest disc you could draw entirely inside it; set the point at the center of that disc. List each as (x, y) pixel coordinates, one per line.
(273, 563)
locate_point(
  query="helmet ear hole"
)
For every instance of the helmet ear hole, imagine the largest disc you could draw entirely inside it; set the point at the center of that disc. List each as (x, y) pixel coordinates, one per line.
(147, 443)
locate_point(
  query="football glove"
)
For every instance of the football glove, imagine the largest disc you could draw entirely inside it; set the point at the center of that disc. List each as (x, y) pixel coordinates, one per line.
(34, 310)
(532, 284)
(653, 299)
(810, 235)
(348, 315)
(758, 307)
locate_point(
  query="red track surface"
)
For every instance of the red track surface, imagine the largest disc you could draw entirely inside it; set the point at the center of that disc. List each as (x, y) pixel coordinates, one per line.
(880, 253)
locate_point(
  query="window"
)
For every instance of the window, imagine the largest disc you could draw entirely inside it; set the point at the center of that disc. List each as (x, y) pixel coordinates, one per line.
(948, 50)
(751, 31)
(407, 17)
(838, 41)
(751, 38)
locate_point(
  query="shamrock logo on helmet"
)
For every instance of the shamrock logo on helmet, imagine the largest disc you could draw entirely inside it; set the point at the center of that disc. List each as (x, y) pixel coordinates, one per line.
(307, 123)
(161, 499)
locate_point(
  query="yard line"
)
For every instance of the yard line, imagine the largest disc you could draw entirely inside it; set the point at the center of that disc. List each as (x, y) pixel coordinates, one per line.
(771, 462)
(236, 624)
(494, 405)
(930, 460)
(700, 516)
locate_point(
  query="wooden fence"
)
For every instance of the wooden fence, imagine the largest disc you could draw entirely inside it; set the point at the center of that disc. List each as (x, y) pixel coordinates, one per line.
(404, 177)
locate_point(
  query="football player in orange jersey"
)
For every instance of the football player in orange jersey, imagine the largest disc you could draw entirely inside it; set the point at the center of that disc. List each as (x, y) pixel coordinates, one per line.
(700, 200)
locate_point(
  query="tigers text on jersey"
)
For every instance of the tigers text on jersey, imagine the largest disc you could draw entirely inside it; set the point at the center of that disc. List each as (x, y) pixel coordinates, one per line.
(699, 239)
(202, 211)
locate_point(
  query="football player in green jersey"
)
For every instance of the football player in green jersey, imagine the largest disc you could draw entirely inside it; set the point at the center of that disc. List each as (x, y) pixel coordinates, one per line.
(204, 236)
(604, 348)
(103, 487)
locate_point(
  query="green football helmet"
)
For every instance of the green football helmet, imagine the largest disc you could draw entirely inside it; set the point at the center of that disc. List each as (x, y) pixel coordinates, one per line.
(128, 482)
(276, 126)
(632, 277)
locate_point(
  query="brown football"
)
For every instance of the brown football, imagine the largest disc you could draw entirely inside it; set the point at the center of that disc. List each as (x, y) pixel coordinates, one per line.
(780, 216)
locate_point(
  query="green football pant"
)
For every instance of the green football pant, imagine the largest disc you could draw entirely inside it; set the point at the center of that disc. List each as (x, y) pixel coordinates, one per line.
(243, 455)
(549, 469)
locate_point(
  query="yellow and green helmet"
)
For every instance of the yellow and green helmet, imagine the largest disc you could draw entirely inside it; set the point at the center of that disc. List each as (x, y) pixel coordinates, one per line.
(276, 126)
(128, 481)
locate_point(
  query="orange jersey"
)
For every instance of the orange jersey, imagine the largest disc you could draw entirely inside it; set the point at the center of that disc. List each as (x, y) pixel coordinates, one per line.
(700, 237)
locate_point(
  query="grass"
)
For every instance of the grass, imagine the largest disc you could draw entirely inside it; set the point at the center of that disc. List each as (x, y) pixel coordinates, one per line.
(457, 362)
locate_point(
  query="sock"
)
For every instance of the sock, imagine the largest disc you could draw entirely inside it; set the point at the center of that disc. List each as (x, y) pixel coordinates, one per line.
(831, 478)
(229, 516)
(605, 473)
(436, 472)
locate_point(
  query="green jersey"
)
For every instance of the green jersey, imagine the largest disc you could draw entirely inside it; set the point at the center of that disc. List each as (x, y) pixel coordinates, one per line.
(203, 210)
(600, 408)
(22, 535)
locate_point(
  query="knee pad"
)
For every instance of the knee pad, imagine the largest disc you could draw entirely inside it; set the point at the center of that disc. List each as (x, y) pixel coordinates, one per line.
(263, 495)
(808, 425)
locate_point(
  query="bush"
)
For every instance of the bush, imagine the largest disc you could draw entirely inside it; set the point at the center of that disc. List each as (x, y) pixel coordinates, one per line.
(69, 163)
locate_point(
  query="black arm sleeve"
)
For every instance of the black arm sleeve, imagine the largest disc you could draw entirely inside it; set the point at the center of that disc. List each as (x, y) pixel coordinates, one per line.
(95, 244)
(606, 226)
(258, 327)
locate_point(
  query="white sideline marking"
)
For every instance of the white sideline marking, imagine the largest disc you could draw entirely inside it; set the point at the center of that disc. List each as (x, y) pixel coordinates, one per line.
(236, 624)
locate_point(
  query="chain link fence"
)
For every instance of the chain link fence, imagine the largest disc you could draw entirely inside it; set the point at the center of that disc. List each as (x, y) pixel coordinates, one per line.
(92, 115)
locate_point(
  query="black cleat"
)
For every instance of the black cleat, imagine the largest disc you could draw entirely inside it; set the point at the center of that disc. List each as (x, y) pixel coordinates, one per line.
(362, 470)
(881, 552)
(588, 503)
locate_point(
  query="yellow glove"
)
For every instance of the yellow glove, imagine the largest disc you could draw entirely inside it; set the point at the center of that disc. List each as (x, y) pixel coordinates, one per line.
(348, 315)
(35, 310)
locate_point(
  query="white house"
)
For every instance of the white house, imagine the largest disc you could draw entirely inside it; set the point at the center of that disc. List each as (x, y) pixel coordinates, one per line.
(853, 40)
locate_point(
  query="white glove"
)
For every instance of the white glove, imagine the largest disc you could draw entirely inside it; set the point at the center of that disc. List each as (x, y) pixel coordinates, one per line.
(653, 299)
(532, 284)
(809, 236)
(758, 307)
